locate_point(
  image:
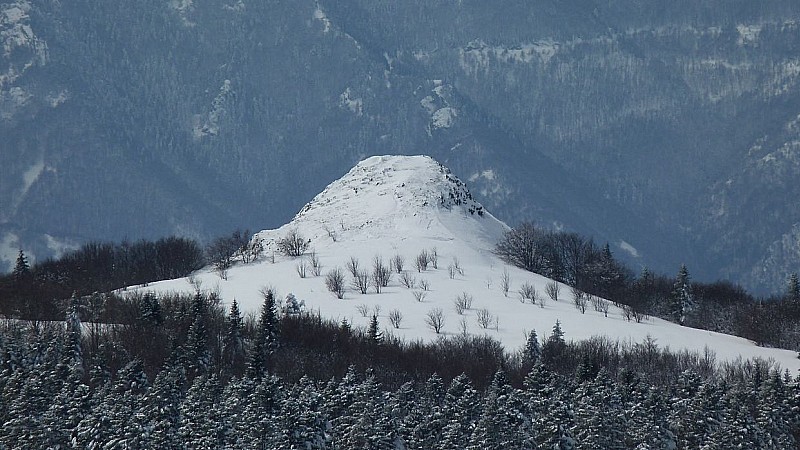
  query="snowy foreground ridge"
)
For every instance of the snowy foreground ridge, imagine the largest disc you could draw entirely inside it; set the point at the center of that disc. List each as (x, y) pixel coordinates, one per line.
(401, 205)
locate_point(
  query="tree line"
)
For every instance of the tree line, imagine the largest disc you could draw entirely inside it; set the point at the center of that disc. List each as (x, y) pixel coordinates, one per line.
(182, 371)
(719, 306)
(39, 291)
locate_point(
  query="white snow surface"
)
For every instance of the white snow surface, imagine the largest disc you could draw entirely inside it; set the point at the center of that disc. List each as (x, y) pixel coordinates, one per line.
(401, 205)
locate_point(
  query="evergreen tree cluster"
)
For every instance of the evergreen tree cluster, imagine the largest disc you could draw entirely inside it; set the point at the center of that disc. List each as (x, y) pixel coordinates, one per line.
(182, 372)
(49, 402)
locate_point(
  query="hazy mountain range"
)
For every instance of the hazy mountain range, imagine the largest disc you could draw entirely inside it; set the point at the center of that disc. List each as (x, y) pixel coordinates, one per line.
(671, 131)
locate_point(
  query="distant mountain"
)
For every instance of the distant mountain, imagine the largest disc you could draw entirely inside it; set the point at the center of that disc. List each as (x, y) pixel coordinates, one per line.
(394, 208)
(668, 130)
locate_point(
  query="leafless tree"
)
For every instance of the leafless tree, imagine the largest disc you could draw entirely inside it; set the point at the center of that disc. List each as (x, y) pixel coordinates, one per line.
(352, 266)
(398, 262)
(459, 307)
(604, 307)
(630, 313)
(334, 280)
(435, 319)
(527, 292)
(316, 265)
(407, 281)
(462, 325)
(505, 281)
(579, 300)
(424, 285)
(302, 268)
(293, 244)
(455, 268)
(395, 317)
(381, 275)
(552, 290)
(376, 310)
(463, 302)
(421, 262)
(363, 310)
(433, 258)
(596, 302)
(484, 318)
(361, 281)
(419, 295)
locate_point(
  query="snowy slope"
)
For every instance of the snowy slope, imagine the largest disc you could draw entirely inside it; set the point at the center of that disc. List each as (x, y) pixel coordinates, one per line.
(399, 205)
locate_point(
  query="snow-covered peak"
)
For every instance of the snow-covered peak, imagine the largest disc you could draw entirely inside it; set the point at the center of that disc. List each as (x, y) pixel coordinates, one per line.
(397, 208)
(395, 197)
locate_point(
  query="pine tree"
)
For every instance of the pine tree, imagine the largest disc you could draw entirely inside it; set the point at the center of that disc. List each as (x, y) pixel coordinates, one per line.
(266, 337)
(554, 346)
(197, 353)
(303, 424)
(162, 406)
(233, 345)
(682, 299)
(533, 349)
(22, 270)
(461, 411)
(599, 415)
(373, 332)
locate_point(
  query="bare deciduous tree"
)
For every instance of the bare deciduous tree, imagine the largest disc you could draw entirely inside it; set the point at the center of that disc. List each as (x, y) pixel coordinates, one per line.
(361, 281)
(433, 258)
(552, 290)
(579, 300)
(424, 285)
(316, 265)
(527, 292)
(293, 244)
(395, 317)
(505, 281)
(407, 281)
(421, 262)
(419, 295)
(484, 318)
(302, 268)
(435, 319)
(363, 310)
(463, 302)
(334, 280)
(398, 262)
(352, 266)
(381, 275)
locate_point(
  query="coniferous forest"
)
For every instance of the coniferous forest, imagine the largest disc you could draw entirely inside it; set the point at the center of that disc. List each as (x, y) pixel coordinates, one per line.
(180, 372)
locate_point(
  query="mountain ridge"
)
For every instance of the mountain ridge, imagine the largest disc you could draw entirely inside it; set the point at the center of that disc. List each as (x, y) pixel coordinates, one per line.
(615, 121)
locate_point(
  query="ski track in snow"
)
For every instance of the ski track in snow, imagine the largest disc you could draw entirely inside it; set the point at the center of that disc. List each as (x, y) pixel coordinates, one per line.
(392, 205)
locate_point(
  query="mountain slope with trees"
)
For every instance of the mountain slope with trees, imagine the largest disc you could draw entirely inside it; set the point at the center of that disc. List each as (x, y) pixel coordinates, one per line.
(669, 131)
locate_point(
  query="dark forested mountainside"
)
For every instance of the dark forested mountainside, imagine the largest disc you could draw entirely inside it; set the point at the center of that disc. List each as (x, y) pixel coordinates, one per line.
(669, 130)
(180, 372)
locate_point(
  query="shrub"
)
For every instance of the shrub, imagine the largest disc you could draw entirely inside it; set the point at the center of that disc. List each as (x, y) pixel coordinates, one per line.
(334, 280)
(395, 317)
(293, 244)
(484, 318)
(435, 319)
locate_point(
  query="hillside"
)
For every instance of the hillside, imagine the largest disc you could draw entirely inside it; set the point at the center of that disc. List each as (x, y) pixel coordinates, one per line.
(669, 131)
(391, 205)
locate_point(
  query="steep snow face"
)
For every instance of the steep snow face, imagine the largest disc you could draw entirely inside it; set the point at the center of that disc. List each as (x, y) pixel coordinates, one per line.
(399, 198)
(394, 207)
